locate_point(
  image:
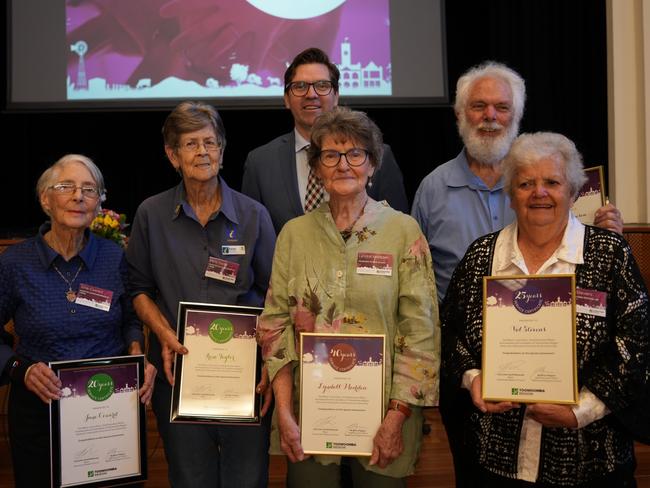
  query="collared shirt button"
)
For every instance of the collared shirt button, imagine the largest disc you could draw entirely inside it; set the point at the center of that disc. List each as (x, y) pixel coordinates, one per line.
(339, 274)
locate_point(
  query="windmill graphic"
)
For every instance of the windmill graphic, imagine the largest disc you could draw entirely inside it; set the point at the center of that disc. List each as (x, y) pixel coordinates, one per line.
(80, 48)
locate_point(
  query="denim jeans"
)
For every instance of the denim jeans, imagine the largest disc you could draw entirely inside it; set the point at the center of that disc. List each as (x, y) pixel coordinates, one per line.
(203, 456)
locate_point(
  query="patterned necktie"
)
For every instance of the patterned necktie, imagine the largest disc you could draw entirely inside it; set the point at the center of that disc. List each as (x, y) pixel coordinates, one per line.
(315, 192)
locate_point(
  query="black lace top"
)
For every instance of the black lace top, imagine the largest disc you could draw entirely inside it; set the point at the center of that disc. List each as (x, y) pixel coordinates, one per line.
(613, 362)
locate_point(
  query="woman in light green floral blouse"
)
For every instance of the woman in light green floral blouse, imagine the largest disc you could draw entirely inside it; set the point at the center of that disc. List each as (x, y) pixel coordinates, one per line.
(317, 285)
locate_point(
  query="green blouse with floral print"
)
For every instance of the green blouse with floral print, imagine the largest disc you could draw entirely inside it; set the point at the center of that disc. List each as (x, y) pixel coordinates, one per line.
(315, 287)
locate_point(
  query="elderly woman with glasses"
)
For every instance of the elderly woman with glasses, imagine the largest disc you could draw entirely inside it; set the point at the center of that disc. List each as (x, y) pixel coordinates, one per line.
(318, 285)
(589, 444)
(41, 281)
(178, 236)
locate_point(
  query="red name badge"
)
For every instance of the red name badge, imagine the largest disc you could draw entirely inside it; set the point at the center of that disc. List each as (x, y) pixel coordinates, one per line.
(222, 270)
(591, 302)
(375, 263)
(91, 296)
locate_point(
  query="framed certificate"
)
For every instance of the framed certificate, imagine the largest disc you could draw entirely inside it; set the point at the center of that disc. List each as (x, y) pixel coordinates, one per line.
(215, 381)
(97, 428)
(591, 196)
(341, 392)
(529, 339)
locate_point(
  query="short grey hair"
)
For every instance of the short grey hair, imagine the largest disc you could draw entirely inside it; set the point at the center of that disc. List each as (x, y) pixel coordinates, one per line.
(528, 149)
(190, 116)
(49, 176)
(349, 125)
(492, 69)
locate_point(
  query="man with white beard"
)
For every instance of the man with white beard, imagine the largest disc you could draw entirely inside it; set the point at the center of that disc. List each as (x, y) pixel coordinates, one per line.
(463, 199)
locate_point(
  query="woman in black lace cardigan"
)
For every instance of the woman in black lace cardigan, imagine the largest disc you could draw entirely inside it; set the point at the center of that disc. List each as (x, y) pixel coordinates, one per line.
(591, 443)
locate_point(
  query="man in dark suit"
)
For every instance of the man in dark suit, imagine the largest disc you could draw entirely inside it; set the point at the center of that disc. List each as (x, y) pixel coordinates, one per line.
(277, 175)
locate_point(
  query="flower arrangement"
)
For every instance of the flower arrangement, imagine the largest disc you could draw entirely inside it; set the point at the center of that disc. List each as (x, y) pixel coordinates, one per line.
(111, 225)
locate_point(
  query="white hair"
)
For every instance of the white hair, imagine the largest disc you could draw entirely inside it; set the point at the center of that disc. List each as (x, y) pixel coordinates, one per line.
(492, 69)
(49, 176)
(531, 148)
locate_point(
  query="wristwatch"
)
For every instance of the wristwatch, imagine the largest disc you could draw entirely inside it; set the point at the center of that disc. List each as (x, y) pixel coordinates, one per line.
(400, 407)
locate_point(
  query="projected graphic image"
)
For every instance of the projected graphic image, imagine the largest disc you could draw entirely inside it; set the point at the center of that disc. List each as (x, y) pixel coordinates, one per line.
(220, 48)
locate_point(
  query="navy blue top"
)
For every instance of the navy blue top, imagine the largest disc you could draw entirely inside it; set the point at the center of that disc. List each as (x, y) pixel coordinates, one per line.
(51, 328)
(169, 249)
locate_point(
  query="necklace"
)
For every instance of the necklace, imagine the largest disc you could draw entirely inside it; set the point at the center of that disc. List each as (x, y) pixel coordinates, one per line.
(64, 251)
(70, 294)
(347, 232)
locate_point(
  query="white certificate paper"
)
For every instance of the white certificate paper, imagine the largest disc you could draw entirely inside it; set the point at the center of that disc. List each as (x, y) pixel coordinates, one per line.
(216, 380)
(529, 352)
(98, 424)
(341, 393)
(591, 196)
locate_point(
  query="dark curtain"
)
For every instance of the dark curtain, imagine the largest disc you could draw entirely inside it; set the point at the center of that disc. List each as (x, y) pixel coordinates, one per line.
(559, 47)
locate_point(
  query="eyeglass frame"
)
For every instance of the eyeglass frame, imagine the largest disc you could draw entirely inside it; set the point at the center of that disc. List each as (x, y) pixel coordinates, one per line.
(345, 154)
(186, 146)
(71, 189)
(290, 87)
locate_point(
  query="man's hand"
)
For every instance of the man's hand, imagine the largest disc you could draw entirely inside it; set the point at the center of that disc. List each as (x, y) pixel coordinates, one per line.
(609, 217)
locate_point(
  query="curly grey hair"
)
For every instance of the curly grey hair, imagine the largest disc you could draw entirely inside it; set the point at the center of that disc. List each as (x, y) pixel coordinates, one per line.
(530, 148)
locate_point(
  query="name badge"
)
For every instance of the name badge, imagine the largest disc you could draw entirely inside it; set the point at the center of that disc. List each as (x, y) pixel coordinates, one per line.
(233, 250)
(93, 297)
(591, 302)
(222, 270)
(375, 263)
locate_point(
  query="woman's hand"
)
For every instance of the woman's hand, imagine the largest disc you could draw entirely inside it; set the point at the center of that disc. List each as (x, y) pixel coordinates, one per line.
(170, 347)
(146, 391)
(149, 313)
(287, 425)
(43, 382)
(552, 415)
(264, 388)
(387, 444)
(488, 407)
(290, 436)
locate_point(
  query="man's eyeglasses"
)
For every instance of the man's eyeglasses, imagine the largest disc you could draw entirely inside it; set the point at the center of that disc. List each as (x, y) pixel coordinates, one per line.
(70, 188)
(300, 88)
(193, 146)
(354, 157)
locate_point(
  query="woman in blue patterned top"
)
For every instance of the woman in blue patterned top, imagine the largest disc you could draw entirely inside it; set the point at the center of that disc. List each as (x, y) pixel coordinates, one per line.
(41, 280)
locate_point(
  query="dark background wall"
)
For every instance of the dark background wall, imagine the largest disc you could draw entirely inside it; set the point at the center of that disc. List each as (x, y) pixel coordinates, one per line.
(559, 47)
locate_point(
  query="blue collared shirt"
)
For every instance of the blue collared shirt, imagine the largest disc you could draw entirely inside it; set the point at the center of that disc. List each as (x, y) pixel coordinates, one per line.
(454, 207)
(51, 328)
(169, 250)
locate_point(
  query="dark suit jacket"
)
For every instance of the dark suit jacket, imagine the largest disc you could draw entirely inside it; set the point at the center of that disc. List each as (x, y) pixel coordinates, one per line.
(270, 178)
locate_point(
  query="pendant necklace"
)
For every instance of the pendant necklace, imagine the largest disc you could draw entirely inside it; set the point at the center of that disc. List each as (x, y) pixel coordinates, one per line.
(347, 232)
(70, 294)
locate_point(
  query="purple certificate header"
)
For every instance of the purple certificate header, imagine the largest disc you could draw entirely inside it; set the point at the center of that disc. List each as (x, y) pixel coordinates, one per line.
(529, 295)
